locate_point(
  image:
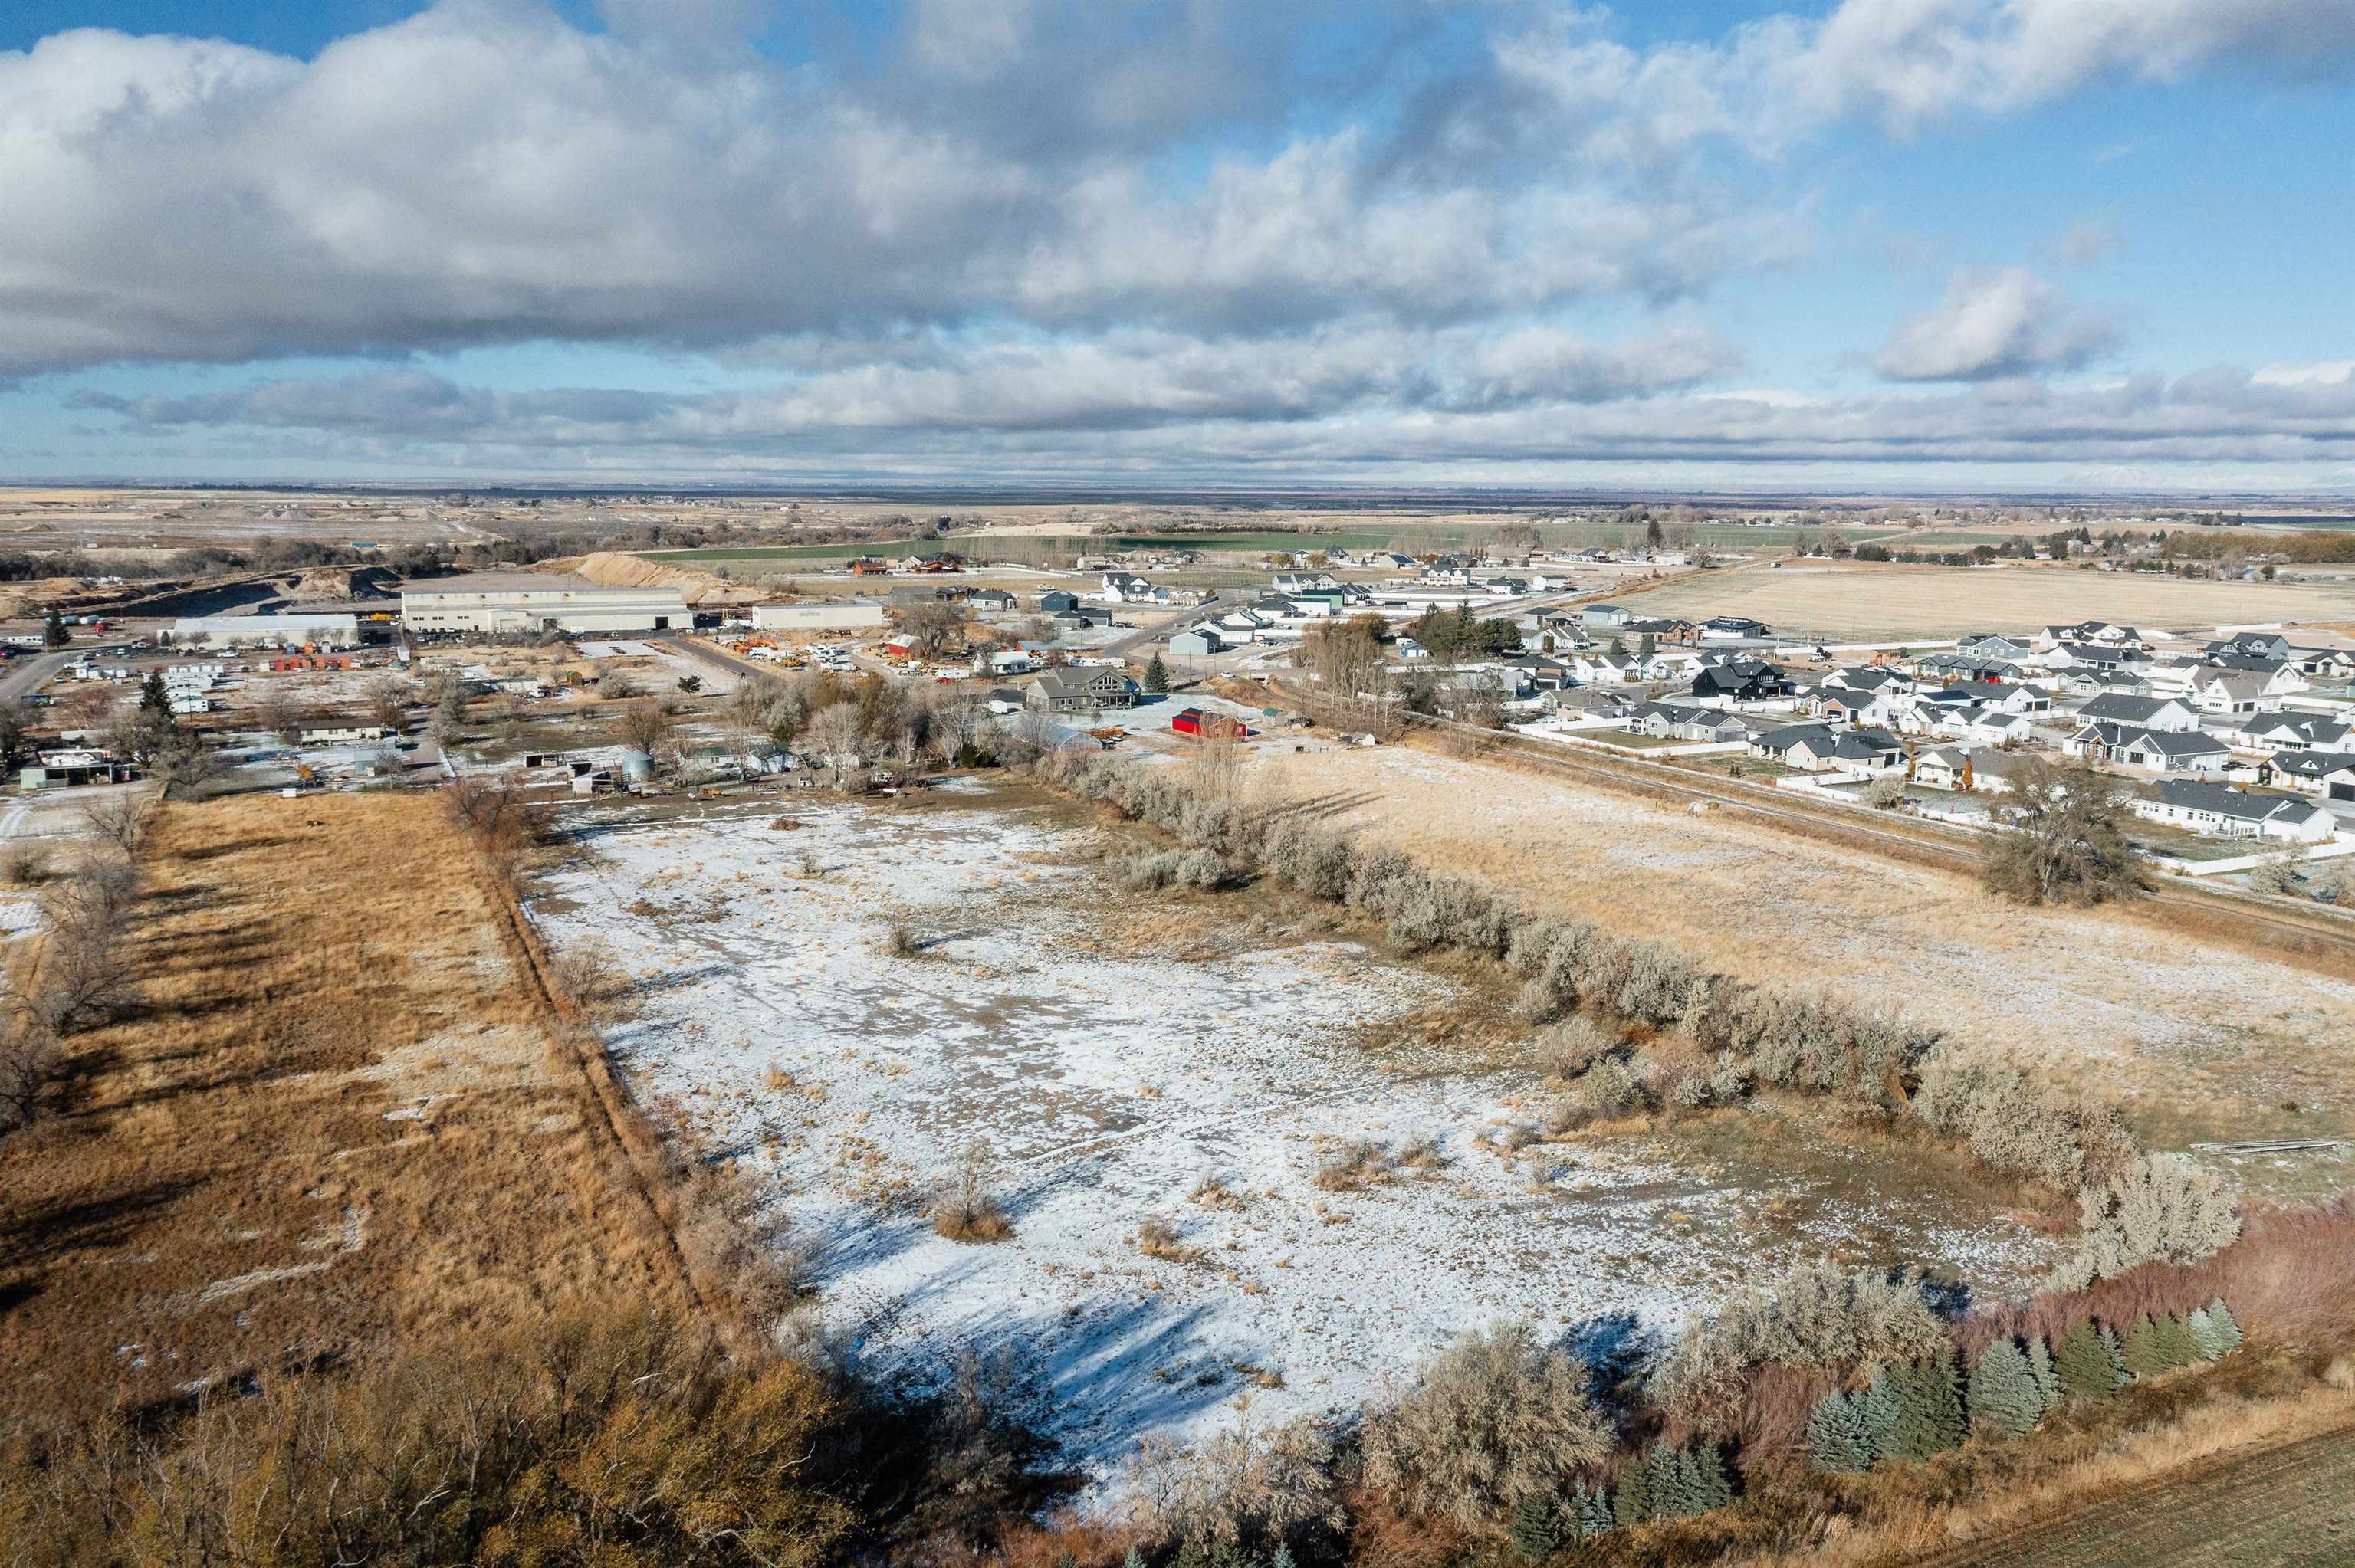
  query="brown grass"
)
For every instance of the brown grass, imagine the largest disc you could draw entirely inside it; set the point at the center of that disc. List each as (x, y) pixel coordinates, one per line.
(971, 1217)
(340, 1116)
(1159, 1239)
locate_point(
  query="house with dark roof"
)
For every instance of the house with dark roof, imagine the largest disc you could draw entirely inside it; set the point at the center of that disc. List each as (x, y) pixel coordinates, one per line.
(2220, 810)
(2142, 713)
(1081, 691)
(1739, 681)
(2165, 751)
(2330, 774)
(2294, 732)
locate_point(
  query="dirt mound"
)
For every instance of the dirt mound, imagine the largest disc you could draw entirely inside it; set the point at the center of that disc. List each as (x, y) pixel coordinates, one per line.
(314, 584)
(26, 600)
(699, 588)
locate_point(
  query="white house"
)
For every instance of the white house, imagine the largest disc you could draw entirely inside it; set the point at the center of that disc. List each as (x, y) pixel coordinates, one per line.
(2220, 810)
(2165, 714)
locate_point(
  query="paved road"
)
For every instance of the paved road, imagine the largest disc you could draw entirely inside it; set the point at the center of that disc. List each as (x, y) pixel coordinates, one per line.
(26, 675)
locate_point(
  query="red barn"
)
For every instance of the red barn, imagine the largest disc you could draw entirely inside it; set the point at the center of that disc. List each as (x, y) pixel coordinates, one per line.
(1195, 722)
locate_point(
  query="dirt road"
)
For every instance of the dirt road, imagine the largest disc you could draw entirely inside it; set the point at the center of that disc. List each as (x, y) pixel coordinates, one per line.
(2292, 1507)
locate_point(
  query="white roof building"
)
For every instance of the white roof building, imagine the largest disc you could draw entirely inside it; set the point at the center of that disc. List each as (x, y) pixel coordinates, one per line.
(513, 602)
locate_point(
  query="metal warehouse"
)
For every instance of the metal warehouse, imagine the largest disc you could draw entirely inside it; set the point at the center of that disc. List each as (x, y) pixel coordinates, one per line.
(539, 601)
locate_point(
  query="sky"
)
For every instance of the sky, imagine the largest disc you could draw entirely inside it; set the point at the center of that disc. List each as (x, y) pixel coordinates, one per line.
(1876, 245)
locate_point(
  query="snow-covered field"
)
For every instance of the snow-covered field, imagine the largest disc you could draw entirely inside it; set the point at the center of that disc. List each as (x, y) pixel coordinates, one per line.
(1108, 1083)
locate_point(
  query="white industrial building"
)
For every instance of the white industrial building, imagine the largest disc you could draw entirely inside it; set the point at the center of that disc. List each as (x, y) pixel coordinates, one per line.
(268, 630)
(539, 601)
(815, 616)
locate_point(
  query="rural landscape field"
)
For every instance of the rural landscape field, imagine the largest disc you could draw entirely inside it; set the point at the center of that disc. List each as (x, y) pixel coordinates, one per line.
(1010, 784)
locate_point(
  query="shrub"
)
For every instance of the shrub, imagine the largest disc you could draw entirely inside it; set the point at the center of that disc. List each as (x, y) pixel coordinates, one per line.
(964, 1209)
(1495, 1420)
(1198, 868)
(1576, 1043)
(1244, 1485)
(1357, 1165)
(1817, 1318)
(2161, 1208)
(1158, 1238)
(2014, 1121)
(23, 866)
(1614, 1085)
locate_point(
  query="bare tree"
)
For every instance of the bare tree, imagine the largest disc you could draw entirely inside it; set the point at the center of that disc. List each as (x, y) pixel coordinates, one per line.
(644, 725)
(2066, 842)
(935, 625)
(1216, 762)
(389, 698)
(834, 733)
(31, 1057)
(277, 714)
(121, 818)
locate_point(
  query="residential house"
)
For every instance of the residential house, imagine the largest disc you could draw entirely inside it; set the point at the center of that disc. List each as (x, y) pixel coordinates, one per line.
(1307, 582)
(1546, 672)
(1604, 617)
(1081, 691)
(2270, 646)
(1594, 667)
(2220, 810)
(1055, 600)
(1822, 748)
(2330, 774)
(1123, 588)
(2168, 751)
(1683, 721)
(1733, 629)
(1970, 769)
(1988, 645)
(2294, 732)
(2142, 713)
(1746, 681)
(2088, 631)
(2215, 691)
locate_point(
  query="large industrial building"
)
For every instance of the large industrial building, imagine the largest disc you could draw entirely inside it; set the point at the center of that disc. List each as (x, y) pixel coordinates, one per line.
(815, 616)
(539, 601)
(339, 630)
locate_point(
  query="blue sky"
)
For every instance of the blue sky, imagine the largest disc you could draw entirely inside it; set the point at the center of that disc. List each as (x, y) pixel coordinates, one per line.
(1880, 245)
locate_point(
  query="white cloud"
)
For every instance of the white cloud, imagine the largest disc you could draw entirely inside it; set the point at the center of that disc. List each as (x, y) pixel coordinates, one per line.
(2323, 373)
(1993, 322)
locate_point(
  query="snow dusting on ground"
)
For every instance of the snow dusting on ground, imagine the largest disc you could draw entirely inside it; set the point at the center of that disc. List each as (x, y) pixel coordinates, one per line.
(1108, 1087)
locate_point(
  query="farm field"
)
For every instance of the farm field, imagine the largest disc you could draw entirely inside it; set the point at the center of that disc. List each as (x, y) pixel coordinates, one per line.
(329, 1125)
(1188, 1059)
(1864, 600)
(2203, 1043)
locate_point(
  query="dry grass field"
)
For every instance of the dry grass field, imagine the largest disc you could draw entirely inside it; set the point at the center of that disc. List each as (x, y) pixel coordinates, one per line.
(2206, 1042)
(1866, 600)
(336, 1119)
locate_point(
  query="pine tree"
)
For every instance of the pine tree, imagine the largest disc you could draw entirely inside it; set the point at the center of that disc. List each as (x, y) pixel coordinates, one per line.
(1667, 1483)
(152, 697)
(1929, 1409)
(1537, 1528)
(1594, 1515)
(2175, 1345)
(2146, 1349)
(1134, 1559)
(1716, 1487)
(1156, 675)
(1876, 1417)
(1630, 1505)
(2004, 1398)
(1837, 1444)
(1281, 1557)
(53, 631)
(2040, 1374)
(2227, 1327)
(1689, 1489)
(2203, 1334)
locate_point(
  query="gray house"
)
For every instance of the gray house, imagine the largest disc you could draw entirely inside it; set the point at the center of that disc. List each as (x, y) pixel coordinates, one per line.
(1081, 691)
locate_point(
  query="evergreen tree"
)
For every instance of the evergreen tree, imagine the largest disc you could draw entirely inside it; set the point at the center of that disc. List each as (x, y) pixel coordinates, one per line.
(53, 631)
(1837, 1444)
(1281, 1557)
(1537, 1529)
(1156, 675)
(1716, 1487)
(2203, 1334)
(1594, 1511)
(2227, 1327)
(2004, 1398)
(1876, 1417)
(1929, 1409)
(152, 697)
(1630, 1505)
(1667, 1483)
(1134, 1559)
(2175, 1345)
(2040, 1374)
(2146, 1350)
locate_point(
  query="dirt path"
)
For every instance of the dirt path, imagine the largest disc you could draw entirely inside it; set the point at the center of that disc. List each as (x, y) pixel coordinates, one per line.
(2292, 1507)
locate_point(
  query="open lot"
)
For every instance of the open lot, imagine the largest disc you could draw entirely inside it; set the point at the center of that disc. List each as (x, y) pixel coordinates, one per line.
(328, 1123)
(2203, 1042)
(1866, 600)
(1191, 1059)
